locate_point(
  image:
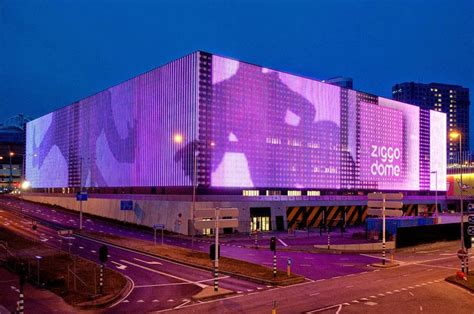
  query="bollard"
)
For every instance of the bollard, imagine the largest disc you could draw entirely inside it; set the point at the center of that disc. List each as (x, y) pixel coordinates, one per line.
(288, 267)
(274, 309)
(391, 257)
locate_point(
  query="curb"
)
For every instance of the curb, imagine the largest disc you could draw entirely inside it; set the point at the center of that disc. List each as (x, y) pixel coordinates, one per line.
(89, 305)
(240, 276)
(451, 280)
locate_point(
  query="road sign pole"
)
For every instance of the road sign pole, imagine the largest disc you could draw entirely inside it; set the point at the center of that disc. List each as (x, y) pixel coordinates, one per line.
(162, 236)
(329, 238)
(80, 201)
(274, 264)
(383, 230)
(154, 236)
(101, 278)
(216, 261)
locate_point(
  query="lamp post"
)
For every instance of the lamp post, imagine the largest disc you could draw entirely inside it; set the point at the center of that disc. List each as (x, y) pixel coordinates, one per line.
(436, 192)
(10, 181)
(455, 135)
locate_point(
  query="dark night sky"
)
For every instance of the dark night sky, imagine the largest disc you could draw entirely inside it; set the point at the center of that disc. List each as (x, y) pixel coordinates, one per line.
(55, 52)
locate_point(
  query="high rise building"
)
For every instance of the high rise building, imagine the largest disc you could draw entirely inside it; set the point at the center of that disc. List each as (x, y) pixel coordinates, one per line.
(450, 99)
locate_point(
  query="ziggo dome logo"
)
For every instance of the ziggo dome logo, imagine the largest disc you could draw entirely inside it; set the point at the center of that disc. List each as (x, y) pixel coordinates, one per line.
(385, 157)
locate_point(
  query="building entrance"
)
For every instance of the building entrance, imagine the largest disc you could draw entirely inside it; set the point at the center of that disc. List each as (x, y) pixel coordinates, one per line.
(260, 218)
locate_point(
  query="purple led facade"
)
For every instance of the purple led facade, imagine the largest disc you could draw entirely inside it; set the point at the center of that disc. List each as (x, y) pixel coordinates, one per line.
(247, 126)
(123, 136)
(277, 130)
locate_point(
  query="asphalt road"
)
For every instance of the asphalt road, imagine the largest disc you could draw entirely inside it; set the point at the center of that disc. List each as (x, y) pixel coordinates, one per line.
(158, 283)
(312, 266)
(338, 283)
(417, 285)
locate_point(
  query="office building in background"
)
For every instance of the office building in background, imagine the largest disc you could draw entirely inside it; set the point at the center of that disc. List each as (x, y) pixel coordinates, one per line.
(450, 99)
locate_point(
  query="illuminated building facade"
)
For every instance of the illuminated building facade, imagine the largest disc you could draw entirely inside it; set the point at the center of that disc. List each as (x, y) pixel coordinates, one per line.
(237, 126)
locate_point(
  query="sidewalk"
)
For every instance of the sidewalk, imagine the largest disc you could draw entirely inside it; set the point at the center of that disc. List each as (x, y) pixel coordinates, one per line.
(36, 300)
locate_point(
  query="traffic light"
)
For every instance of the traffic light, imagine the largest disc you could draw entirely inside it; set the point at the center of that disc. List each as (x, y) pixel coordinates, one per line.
(212, 252)
(273, 244)
(103, 253)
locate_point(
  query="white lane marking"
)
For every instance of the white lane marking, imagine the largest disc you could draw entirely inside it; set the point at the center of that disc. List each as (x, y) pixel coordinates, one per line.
(119, 266)
(126, 296)
(305, 265)
(411, 293)
(93, 251)
(313, 294)
(170, 300)
(81, 247)
(281, 241)
(373, 297)
(149, 263)
(182, 304)
(324, 309)
(140, 301)
(339, 309)
(355, 301)
(370, 303)
(350, 286)
(155, 300)
(164, 274)
(125, 301)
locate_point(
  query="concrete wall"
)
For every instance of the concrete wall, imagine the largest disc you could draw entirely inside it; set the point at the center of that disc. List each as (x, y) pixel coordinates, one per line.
(175, 212)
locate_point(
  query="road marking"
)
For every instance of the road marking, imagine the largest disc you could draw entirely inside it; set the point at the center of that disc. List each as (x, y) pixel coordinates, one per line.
(239, 292)
(170, 300)
(140, 301)
(93, 251)
(119, 266)
(339, 309)
(349, 286)
(389, 292)
(312, 295)
(370, 303)
(381, 294)
(411, 293)
(155, 300)
(373, 297)
(305, 265)
(281, 241)
(125, 301)
(150, 263)
(364, 299)
(182, 304)
(355, 301)
(323, 309)
(81, 247)
(164, 274)
(320, 280)
(396, 291)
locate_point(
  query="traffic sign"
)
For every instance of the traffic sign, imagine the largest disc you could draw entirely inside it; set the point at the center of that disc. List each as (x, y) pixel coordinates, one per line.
(470, 230)
(211, 213)
(81, 196)
(388, 212)
(158, 226)
(126, 205)
(470, 207)
(379, 204)
(211, 224)
(470, 219)
(387, 196)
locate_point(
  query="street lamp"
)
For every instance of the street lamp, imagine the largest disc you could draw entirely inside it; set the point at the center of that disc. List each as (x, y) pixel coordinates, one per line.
(455, 135)
(178, 139)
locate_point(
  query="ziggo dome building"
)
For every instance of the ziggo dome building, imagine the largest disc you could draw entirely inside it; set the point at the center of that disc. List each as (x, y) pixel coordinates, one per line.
(206, 131)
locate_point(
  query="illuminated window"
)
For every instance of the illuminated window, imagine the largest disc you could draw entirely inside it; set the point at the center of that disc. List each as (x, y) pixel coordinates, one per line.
(294, 193)
(250, 192)
(313, 193)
